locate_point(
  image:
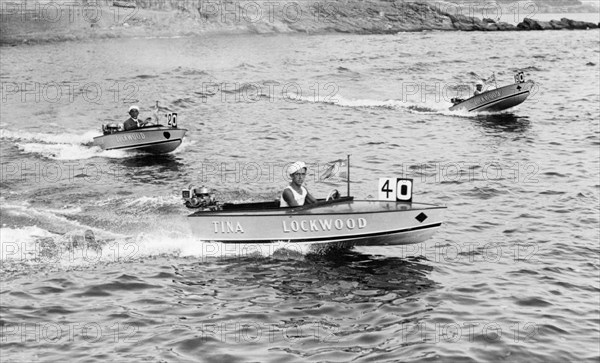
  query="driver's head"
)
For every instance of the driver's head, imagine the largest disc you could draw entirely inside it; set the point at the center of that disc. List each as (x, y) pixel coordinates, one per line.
(297, 171)
(134, 111)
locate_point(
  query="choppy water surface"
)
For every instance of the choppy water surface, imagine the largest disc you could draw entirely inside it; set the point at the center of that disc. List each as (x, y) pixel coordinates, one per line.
(98, 262)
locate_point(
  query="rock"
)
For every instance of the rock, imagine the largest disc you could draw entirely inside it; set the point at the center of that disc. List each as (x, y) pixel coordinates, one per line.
(502, 26)
(564, 23)
(466, 23)
(558, 25)
(544, 25)
(574, 24)
(529, 24)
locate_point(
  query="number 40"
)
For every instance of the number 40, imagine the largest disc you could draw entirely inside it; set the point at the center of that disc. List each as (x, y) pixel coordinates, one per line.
(395, 189)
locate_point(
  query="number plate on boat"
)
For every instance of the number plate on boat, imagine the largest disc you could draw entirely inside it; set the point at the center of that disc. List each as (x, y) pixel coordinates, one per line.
(397, 189)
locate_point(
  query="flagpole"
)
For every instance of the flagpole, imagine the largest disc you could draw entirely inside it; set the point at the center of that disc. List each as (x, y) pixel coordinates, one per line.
(494, 73)
(348, 179)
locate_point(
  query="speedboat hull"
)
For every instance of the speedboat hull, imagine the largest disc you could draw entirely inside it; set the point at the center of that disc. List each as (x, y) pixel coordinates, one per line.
(362, 222)
(498, 99)
(150, 139)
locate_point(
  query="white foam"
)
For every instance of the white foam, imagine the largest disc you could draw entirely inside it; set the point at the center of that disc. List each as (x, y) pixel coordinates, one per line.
(185, 144)
(61, 146)
(19, 243)
(62, 138)
(54, 217)
(24, 234)
(69, 146)
(60, 151)
(427, 107)
(33, 246)
(184, 244)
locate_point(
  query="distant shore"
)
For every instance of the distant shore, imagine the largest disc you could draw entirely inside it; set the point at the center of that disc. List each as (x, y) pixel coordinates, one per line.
(23, 23)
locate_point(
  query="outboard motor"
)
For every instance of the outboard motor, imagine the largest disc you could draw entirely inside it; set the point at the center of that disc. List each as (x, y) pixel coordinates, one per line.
(456, 100)
(110, 129)
(199, 198)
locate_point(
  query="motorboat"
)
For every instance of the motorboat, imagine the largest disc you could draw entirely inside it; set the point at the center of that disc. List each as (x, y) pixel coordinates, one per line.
(330, 220)
(497, 99)
(155, 138)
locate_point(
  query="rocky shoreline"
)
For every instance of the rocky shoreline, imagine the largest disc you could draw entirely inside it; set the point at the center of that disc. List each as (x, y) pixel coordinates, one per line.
(126, 19)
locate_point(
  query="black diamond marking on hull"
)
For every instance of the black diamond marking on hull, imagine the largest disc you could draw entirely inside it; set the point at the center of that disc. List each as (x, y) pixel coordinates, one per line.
(421, 217)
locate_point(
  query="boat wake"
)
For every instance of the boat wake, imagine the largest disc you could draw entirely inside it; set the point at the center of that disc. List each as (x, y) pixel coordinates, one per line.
(426, 108)
(36, 238)
(429, 107)
(59, 146)
(32, 248)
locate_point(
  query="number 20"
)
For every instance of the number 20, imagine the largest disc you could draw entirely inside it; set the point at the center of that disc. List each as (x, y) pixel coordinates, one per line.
(172, 119)
(519, 78)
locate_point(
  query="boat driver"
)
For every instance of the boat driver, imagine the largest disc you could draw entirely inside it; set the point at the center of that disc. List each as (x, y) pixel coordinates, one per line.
(295, 195)
(478, 89)
(133, 122)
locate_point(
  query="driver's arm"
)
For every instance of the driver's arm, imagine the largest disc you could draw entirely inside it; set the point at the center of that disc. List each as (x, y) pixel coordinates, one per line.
(289, 198)
(309, 198)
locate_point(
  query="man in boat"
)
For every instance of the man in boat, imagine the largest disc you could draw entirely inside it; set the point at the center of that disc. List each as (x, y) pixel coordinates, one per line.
(295, 195)
(478, 89)
(133, 122)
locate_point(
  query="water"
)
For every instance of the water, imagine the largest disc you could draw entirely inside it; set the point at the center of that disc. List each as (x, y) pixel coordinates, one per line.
(98, 262)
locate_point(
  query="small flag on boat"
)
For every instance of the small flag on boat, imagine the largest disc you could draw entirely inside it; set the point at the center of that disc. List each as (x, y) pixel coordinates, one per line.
(336, 168)
(155, 113)
(490, 79)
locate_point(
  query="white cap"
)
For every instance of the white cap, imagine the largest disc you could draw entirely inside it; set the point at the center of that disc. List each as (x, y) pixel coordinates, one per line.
(134, 107)
(479, 84)
(295, 167)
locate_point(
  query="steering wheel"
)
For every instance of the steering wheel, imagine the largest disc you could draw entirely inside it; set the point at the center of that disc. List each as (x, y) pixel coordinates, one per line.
(333, 194)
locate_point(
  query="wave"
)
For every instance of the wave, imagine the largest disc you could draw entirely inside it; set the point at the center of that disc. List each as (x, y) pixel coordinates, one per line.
(62, 138)
(34, 237)
(145, 76)
(527, 69)
(64, 146)
(31, 248)
(69, 152)
(427, 107)
(441, 107)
